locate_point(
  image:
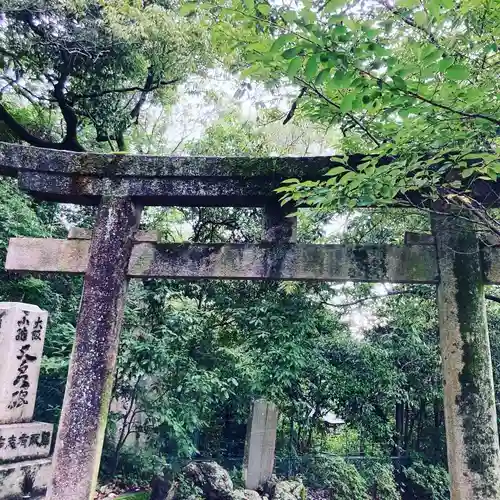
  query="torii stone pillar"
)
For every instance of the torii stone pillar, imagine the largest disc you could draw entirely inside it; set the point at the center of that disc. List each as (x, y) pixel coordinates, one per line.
(92, 367)
(279, 226)
(469, 397)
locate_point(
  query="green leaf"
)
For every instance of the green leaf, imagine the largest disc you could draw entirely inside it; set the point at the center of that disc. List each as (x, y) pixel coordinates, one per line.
(369, 31)
(291, 53)
(347, 102)
(351, 24)
(249, 71)
(308, 16)
(445, 63)
(281, 41)
(264, 8)
(188, 8)
(458, 72)
(294, 66)
(347, 177)
(311, 67)
(341, 80)
(289, 16)
(433, 56)
(332, 5)
(420, 18)
(379, 50)
(250, 4)
(408, 3)
(447, 4)
(322, 76)
(468, 172)
(339, 30)
(492, 174)
(336, 170)
(399, 82)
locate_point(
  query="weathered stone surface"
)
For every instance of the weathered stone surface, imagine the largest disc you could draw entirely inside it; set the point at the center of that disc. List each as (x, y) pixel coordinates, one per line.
(15, 157)
(183, 192)
(88, 390)
(22, 334)
(289, 490)
(419, 238)
(23, 478)
(48, 255)
(469, 398)
(384, 263)
(491, 264)
(25, 440)
(260, 444)
(213, 480)
(81, 233)
(246, 495)
(279, 225)
(485, 238)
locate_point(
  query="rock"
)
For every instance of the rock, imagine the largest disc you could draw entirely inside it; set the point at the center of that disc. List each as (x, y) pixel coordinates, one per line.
(289, 490)
(163, 488)
(269, 486)
(246, 495)
(211, 478)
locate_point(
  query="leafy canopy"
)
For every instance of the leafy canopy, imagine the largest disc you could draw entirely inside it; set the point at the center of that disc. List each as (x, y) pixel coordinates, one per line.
(414, 81)
(94, 64)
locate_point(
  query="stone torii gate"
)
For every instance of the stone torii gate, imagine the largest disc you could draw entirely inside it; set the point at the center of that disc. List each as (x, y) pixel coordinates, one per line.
(122, 184)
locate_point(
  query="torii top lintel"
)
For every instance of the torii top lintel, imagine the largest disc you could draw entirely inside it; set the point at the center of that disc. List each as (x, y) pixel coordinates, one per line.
(83, 178)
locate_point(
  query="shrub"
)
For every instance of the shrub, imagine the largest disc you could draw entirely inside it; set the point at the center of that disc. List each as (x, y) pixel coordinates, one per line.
(186, 489)
(333, 473)
(136, 467)
(425, 482)
(380, 481)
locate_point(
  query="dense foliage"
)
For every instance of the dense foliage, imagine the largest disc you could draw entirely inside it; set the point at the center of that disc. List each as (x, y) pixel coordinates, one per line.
(413, 83)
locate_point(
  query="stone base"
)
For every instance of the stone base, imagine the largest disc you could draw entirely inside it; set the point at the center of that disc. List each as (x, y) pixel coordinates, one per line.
(25, 441)
(23, 478)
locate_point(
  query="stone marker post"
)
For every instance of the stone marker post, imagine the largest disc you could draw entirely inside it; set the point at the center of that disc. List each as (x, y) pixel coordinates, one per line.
(469, 397)
(90, 379)
(24, 445)
(260, 444)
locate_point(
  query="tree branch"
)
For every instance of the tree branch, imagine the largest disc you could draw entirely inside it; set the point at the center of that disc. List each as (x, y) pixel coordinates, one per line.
(69, 115)
(290, 114)
(123, 90)
(410, 22)
(23, 134)
(372, 297)
(148, 87)
(430, 101)
(493, 298)
(350, 115)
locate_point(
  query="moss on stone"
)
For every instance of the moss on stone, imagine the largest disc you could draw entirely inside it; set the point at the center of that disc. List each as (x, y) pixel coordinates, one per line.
(474, 401)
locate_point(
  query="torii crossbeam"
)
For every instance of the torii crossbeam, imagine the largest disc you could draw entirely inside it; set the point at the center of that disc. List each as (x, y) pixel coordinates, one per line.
(122, 184)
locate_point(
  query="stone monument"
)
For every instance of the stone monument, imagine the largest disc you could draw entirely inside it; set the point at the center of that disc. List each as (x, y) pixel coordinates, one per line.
(24, 445)
(260, 444)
